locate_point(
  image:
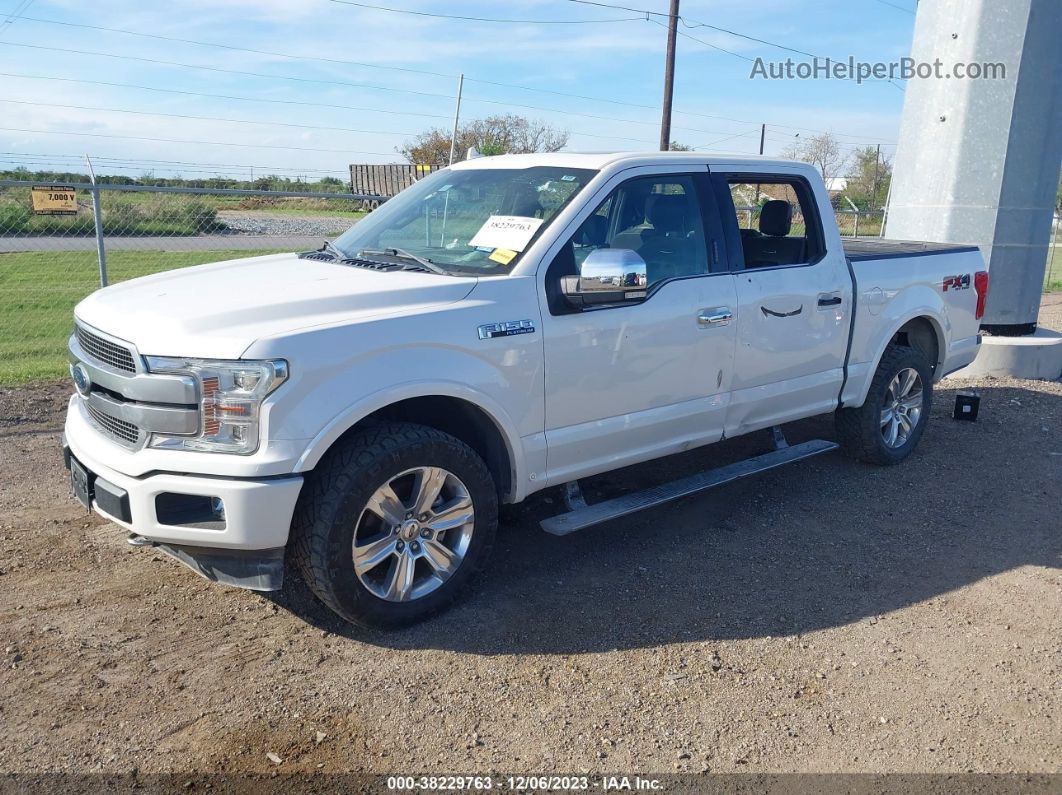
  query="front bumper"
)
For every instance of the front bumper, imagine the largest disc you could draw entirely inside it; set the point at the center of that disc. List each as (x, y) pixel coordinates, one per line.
(244, 547)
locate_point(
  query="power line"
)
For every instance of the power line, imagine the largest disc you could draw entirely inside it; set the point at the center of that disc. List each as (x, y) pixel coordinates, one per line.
(233, 47)
(363, 85)
(286, 148)
(60, 166)
(201, 118)
(693, 23)
(898, 8)
(340, 61)
(265, 123)
(15, 12)
(346, 62)
(378, 66)
(486, 19)
(705, 43)
(103, 158)
(720, 140)
(222, 96)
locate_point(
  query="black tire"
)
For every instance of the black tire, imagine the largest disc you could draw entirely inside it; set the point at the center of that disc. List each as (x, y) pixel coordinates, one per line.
(860, 430)
(337, 492)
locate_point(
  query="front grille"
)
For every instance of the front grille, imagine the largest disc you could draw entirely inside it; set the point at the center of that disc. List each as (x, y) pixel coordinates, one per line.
(118, 429)
(110, 353)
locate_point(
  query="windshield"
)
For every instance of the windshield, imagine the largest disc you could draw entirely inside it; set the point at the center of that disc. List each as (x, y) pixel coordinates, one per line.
(466, 221)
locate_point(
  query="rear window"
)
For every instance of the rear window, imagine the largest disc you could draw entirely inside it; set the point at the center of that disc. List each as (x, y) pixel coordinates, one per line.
(777, 221)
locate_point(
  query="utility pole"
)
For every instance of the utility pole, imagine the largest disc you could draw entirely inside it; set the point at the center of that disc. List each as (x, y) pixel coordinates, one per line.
(877, 161)
(669, 77)
(457, 117)
(97, 217)
(763, 134)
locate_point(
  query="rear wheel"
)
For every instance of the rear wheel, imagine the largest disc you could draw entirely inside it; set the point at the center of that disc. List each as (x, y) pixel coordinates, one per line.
(393, 523)
(887, 427)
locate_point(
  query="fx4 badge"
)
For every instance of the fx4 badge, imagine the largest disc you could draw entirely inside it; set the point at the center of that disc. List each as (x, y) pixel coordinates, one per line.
(508, 328)
(957, 282)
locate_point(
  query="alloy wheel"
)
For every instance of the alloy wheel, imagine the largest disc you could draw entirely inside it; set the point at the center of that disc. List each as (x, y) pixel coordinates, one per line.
(413, 534)
(902, 407)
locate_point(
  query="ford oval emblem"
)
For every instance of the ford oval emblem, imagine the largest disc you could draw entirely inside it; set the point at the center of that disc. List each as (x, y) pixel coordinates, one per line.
(82, 380)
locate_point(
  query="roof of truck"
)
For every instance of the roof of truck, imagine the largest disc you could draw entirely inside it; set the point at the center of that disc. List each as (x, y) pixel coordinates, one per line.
(598, 160)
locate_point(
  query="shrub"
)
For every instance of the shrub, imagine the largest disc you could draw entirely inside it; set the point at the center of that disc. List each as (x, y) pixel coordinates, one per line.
(13, 219)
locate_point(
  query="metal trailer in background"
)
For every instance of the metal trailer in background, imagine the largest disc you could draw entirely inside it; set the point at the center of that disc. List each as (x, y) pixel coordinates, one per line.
(385, 181)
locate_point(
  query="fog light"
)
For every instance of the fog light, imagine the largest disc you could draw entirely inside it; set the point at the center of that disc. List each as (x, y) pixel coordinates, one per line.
(190, 510)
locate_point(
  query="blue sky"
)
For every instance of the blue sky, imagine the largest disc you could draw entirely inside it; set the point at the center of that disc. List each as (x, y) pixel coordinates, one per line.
(389, 98)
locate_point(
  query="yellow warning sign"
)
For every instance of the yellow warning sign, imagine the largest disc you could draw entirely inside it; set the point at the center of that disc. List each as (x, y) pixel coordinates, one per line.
(54, 200)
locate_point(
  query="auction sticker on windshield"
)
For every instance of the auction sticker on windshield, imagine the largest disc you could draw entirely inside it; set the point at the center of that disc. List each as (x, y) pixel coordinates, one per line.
(506, 231)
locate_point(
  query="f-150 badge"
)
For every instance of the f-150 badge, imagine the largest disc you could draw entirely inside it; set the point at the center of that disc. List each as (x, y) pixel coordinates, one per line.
(508, 328)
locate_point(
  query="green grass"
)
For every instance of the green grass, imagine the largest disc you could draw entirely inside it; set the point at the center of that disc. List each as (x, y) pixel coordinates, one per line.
(1053, 274)
(148, 213)
(38, 291)
(288, 205)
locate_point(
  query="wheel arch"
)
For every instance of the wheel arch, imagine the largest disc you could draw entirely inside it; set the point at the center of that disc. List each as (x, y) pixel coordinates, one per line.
(452, 409)
(920, 329)
(924, 334)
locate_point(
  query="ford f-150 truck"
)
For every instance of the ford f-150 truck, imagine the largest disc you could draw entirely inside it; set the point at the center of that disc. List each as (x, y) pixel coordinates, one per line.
(502, 326)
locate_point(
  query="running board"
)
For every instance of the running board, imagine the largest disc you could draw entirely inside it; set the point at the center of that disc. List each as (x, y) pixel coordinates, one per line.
(589, 515)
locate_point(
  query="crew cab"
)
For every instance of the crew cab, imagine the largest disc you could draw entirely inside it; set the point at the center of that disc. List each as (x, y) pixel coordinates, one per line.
(505, 325)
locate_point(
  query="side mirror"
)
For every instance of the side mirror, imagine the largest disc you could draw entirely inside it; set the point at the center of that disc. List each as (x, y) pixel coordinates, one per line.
(609, 276)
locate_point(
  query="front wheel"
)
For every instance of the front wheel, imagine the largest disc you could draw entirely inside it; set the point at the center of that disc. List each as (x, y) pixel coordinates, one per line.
(393, 522)
(887, 427)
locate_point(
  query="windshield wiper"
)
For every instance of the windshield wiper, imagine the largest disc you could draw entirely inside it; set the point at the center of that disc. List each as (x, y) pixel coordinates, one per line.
(331, 249)
(401, 253)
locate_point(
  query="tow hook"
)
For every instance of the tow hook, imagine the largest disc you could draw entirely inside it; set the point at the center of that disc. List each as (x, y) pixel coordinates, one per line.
(139, 541)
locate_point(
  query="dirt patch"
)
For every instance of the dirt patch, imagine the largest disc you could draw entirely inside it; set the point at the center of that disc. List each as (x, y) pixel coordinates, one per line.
(826, 617)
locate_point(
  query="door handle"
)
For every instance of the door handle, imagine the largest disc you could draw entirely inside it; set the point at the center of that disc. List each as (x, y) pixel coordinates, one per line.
(716, 316)
(825, 299)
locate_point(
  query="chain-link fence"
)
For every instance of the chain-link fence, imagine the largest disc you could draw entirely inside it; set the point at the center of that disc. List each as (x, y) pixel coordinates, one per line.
(109, 233)
(1053, 269)
(851, 223)
(52, 254)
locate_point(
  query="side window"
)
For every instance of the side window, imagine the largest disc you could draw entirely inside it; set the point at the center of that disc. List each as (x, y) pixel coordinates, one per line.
(659, 218)
(775, 222)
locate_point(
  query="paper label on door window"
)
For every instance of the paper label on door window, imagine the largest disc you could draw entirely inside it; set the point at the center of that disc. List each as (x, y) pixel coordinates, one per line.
(506, 231)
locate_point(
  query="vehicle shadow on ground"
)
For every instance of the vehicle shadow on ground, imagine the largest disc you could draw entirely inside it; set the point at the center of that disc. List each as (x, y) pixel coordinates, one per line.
(816, 545)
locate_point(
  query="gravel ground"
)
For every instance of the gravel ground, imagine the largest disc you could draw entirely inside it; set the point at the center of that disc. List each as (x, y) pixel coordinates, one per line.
(826, 617)
(251, 223)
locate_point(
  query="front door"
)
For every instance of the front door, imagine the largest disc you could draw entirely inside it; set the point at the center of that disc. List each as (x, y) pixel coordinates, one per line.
(631, 382)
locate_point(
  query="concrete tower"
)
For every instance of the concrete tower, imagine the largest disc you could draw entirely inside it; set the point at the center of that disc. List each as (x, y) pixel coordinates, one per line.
(978, 159)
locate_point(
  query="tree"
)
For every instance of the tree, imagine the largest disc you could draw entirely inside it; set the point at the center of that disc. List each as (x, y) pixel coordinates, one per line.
(495, 135)
(823, 151)
(675, 146)
(869, 178)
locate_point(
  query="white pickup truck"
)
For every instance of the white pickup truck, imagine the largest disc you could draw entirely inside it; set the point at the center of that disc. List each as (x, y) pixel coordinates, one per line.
(502, 326)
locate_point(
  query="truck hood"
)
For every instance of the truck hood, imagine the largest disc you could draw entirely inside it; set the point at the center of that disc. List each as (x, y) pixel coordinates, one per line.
(218, 310)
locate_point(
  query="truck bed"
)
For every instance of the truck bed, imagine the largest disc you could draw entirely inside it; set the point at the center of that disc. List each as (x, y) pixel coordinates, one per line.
(864, 248)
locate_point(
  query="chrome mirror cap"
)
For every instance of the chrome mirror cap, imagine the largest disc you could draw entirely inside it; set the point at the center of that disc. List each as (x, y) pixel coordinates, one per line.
(608, 275)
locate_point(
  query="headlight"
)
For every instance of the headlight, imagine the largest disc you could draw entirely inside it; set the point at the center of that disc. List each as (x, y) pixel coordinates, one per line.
(230, 401)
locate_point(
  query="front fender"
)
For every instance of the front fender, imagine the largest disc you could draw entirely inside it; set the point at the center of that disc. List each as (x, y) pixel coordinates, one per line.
(354, 413)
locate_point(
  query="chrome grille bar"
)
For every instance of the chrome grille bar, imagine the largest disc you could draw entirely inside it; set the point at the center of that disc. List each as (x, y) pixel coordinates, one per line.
(105, 351)
(121, 431)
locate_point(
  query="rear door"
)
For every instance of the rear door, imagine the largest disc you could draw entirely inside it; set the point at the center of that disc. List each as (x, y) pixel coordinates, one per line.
(794, 299)
(631, 382)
